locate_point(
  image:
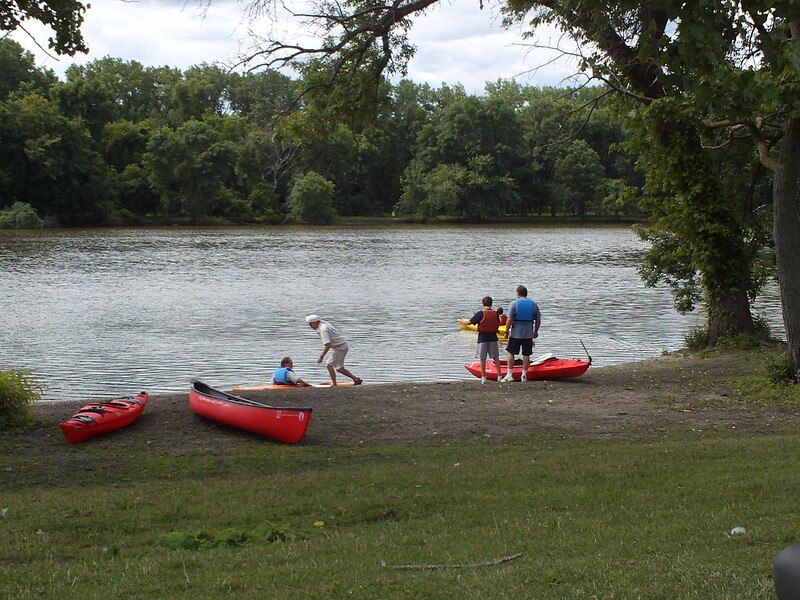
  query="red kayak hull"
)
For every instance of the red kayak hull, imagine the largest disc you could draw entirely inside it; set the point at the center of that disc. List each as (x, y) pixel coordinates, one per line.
(287, 425)
(552, 368)
(102, 417)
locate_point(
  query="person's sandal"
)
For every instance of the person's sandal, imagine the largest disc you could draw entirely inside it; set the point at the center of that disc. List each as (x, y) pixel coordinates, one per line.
(358, 381)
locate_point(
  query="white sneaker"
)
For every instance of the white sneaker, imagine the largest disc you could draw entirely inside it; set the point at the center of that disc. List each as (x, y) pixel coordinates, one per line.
(507, 378)
(524, 377)
(483, 380)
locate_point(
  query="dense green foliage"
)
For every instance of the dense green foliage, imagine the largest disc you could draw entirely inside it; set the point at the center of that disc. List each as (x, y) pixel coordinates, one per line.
(311, 200)
(63, 17)
(18, 391)
(777, 369)
(20, 216)
(119, 143)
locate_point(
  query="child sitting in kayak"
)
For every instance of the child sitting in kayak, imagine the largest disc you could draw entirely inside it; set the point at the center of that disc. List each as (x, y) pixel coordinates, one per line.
(500, 315)
(285, 375)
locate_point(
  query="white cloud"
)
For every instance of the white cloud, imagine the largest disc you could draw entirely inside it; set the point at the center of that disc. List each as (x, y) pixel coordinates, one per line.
(456, 42)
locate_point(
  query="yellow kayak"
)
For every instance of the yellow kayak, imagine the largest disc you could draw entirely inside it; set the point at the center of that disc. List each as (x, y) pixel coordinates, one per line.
(474, 328)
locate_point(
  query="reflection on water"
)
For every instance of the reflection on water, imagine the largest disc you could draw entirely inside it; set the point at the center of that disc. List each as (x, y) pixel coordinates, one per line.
(110, 312)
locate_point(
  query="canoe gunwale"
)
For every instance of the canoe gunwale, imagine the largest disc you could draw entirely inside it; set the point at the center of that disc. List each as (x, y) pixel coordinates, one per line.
(206, 390)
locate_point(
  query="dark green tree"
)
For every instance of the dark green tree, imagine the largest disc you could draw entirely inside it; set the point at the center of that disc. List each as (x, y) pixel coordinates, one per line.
(579, 177)
(48, 161)
(311, 200)
(18, 71)
(205, 89)
(193, 169)
(263, 97)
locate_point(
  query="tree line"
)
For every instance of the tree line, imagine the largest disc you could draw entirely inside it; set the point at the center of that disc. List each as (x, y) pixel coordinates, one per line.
(117, 143)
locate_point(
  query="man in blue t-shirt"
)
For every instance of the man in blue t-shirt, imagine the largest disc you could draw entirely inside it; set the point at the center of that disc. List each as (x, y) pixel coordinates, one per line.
(522, 327)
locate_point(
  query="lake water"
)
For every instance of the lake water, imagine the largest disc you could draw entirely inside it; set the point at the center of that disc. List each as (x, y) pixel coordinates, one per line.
(99, 313)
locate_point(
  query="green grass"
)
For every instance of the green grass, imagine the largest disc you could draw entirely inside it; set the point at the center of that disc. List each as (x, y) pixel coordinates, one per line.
(594, 519)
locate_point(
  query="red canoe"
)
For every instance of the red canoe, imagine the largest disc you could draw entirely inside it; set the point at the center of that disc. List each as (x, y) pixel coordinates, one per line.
(280, 424)
(102, 417)
(550, 368)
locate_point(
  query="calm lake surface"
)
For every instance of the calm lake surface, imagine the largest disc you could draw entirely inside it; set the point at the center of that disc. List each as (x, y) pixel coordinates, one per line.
(100, 313)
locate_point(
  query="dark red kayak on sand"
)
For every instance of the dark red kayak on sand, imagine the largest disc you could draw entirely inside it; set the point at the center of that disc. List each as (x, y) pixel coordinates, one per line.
(550, 368)
(286, 425)
(101, 417)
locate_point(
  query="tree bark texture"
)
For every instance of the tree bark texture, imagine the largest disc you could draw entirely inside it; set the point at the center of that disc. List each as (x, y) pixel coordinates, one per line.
(786, 231)
(728, 314)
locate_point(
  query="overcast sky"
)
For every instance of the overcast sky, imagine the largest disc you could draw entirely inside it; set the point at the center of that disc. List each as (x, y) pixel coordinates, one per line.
(456, 41)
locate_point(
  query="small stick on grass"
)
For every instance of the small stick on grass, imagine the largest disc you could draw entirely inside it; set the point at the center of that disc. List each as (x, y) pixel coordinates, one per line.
(488, 563)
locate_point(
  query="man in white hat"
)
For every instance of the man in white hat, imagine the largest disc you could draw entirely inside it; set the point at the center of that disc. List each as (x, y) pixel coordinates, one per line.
(335, 346)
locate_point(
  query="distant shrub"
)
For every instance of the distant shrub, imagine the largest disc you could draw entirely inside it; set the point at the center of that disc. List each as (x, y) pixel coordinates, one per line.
(761, 330)
(265, 203)
(311, 200)
(20, 215)
(738, 341)
(697, 338)
(777, 368)
(18, 391)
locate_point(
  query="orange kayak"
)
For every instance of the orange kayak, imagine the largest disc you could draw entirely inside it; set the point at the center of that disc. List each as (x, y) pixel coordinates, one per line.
(243, 389)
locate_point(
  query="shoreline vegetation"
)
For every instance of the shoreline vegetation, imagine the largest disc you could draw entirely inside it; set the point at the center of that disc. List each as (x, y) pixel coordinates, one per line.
(626, 482)
(356, 221)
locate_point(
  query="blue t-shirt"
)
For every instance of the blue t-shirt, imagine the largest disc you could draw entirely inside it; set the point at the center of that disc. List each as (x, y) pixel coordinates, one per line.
(522, 330)
(482, 335)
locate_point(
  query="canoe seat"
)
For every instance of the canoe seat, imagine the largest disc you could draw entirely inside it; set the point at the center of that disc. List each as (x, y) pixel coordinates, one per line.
(84, 419)
(100, 410)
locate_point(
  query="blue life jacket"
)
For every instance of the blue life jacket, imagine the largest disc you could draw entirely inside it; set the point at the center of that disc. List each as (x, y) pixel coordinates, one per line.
(280, 376)
(525, 310)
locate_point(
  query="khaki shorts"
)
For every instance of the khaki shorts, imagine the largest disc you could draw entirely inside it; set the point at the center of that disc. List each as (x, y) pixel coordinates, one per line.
(491, 349)
(336, 357)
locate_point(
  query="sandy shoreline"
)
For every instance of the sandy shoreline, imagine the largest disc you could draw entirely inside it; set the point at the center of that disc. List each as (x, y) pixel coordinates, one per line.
(618, 401)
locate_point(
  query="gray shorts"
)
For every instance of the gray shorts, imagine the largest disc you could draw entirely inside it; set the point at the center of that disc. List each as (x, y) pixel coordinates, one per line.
(336, 357)
(491, 349)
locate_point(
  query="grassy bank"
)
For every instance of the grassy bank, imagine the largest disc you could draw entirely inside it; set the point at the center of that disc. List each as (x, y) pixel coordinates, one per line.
(592, 518)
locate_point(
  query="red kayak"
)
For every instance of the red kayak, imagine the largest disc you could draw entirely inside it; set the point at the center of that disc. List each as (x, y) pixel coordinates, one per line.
(549, 368)
(280, 424)
(102, 417)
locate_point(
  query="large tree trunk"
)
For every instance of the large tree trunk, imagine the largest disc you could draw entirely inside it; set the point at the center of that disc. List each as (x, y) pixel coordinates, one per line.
(786, 230)
(728, 314)
(711, 226)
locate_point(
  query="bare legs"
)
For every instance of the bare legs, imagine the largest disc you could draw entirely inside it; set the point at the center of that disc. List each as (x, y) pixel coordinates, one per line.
(496, 366)
(510, 362)
(343, 371)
